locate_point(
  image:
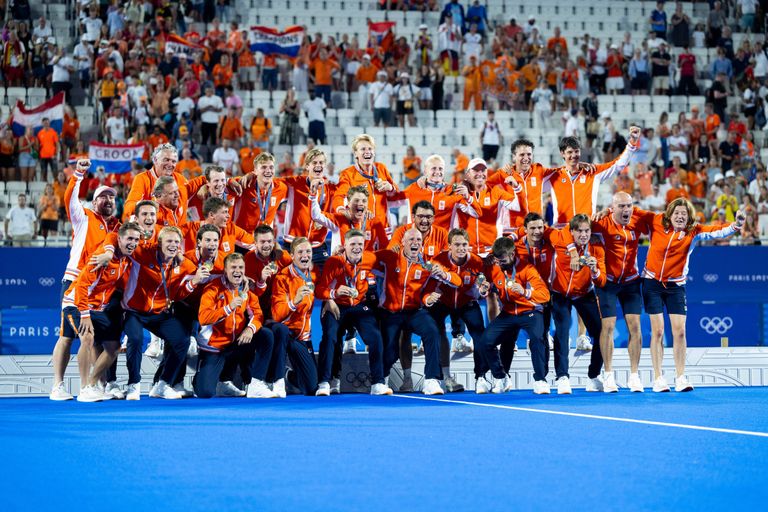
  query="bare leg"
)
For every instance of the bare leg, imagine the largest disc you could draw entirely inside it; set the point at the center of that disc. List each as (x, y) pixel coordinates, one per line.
(635, 345)
(406, 352)
(61, 358)
(493, 308)
(104, 361)
(679, 342)
(606, 341)
(657, 343)
(84, 359)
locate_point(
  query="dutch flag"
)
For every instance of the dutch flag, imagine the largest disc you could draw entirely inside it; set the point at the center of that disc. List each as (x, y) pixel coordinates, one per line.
(269, 40)
(53, 109)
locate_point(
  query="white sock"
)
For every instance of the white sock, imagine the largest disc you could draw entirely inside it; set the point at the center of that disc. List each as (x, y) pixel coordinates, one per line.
(407, 373)
(446, 372)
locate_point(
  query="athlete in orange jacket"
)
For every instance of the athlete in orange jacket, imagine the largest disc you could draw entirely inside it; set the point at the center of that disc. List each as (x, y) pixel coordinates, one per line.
(231, 324)
(674, 234)
(293, 293)
(574, 189)
(522, 294)
(261, 196)
(216, 213)
(619, 233)
(216, 186)
(344, 285)
(576, 288)
(495, 204)
(522, 173)
(434, 239)
(87, 313)
(355, 216)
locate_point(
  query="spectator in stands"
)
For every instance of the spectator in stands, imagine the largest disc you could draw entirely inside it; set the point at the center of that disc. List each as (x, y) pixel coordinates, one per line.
(542, 100)
(702, 150)
(210, 107)
(449, 38)
(697, 184)
(287, 167)
(659, 20)
(226, 157)
(473, 44)
(27, 149)
(14, 57)
(716, 20)
(261, 130)
(189, 165)
(678, 145)
(115, 127)
(721, 64)
(406, 97)
(314, 108)
(48, 212)
(289, 126)
(381, 96)
(614, 84)
(660, 60)
(231, 128)
(727, 202)
(686, 62)
(411, 167)
(728, 151)
(7, 155)
(323, 67)
(491, 138)
(83, 57)
(183, 104)
(679, 35)
(639, 73)
(20, 223)
(50, 149)
(762, 211)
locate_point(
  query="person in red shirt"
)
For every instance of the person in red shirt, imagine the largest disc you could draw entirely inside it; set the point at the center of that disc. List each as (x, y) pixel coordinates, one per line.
(522, 294)
(293, 295)
(344, 286)
(262, 263)
(406, 275)
(231, 323)
(88, 313)
(216, 186)
(619, 233)
(674, 234)
(576, 288)
(216, 211)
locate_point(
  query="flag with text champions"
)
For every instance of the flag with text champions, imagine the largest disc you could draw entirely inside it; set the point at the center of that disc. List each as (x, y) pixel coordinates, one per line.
(115, 158)
(269, 40)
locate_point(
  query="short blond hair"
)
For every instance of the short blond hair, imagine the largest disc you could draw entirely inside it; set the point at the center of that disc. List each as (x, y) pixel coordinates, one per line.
(263, 158)
(169, 230)
(363, 137)
(314, 153)
(434, 158)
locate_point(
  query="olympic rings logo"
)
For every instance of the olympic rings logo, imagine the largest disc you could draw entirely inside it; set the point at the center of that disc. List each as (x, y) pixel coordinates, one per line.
(359, 379)
(716, 324)
(46, 281)
(711, 278)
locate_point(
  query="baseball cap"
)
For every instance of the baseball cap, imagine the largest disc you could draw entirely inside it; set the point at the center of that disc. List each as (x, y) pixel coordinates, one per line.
(531, 17)
(605, 115)
(423, 26)
(730, 174)
(719, 176)
(367, 57)
(405, 75)
(103, 189)
(475, 162)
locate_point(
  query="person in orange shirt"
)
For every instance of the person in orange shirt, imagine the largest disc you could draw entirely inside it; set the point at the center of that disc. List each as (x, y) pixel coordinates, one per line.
(261, 195)
(261, 130)
(87, 313)
(344, 286)
(674, 235)
(70, 131)
(323, 68)
(216, 213)
(447, 201)
(522, 173)
(159, 277)
(406, 275)
(364, 76)
(248, 154)
(531, 73)
(293, 295)
(697, 183)
(222, 74)
(619, 233)
(677, 188)
(473, 78)
(157, 137)
(216, 186)
(232, 324)
(711, 121)
(356, 216)
(261, 265)
(434, 239)
(49, 149)
(575, 287)
(522, 294)
(411, 166)
(246, 64)
(557, 40)
(373, 175)
(569, 80)
(231, 128)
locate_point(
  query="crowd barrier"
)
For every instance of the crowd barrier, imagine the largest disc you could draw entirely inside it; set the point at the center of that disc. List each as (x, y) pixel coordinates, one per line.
(727, 298)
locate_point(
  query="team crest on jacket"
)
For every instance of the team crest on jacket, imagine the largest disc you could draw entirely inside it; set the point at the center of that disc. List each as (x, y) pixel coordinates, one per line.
(112, 272)
(221, 297)
(176, 270)
(487, 201)
(417, 274)
(533, 181)
(431, 250)
(225, 246)
(441, 205)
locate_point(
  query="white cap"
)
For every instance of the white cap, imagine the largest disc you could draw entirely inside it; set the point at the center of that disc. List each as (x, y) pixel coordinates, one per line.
(382, 73)
(423, 26)
(730, 174)
(366, 56)
(405, 75)
(719, 176)
(531, 17)
(605, 115)
(475, 162)
(103, 190)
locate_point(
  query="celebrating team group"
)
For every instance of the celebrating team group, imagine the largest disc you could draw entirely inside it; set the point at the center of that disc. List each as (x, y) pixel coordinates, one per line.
(208, 260)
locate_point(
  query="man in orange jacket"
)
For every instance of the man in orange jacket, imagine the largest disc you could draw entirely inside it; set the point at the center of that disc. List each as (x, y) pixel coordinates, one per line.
(89, 314)
(344, 285)
(261, 196)
(231, 326)
(522, 294)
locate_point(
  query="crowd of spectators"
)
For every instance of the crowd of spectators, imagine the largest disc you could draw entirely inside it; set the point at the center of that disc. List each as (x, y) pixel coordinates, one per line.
(147, 95)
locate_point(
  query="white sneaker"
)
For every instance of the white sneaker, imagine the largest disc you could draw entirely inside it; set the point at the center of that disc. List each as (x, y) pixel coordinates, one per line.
(259, 389)
(482, 386)
(59, 393)
(335, 387)
(380, 389)
(162, 390)
(90, 394)
(594, 385)
(113, 389)
(634, 383)
(133, 392)
(540, 387)
(323, 389)
(500, 385)
(279, 388)
(551, 341)
(350, 346)
(155, 348)
(583, 343)
(184, 392)
(660, 385)
(406, 386)
(100, 387)
(452, 386)
(609, 383)
(432, 387)
(564, 386)
(228, 389)
(682, 384)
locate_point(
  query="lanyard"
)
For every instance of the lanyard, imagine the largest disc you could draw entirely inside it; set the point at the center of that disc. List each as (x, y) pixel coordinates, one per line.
(435, 186)
(267, 201)
(307, 279)
(352, 281)
(162, 277)
(374, 176)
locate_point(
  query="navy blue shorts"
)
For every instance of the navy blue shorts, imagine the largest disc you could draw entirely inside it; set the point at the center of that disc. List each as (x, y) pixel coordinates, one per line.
(628, 294)
(107, 324)
(656, 297)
